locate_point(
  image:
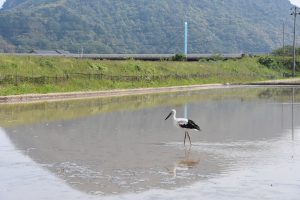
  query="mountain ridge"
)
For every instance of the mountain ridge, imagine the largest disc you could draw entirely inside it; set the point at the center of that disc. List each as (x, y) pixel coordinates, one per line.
(140, 26)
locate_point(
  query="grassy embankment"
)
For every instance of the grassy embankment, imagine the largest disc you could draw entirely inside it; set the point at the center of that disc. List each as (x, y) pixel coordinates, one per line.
(24, 74)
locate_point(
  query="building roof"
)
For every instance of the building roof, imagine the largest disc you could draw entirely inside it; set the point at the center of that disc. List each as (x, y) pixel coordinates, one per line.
(49, 52)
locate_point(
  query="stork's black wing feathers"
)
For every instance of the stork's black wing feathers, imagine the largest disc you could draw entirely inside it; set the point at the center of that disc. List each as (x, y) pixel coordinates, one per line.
(190, 125)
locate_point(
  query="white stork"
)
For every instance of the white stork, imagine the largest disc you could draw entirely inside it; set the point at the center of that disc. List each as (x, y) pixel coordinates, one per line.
(184, 123)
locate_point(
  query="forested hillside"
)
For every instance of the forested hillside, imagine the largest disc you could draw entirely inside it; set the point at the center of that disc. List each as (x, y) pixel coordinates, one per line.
(143, 26)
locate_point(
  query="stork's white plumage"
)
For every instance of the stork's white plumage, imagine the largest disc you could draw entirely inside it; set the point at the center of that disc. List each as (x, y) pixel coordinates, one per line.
(184, 123)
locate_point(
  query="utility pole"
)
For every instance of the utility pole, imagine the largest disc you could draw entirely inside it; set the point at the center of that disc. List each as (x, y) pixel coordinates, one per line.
(294, 13)
(186, 53)
(185, 39)
(283, 41)
(81, 55)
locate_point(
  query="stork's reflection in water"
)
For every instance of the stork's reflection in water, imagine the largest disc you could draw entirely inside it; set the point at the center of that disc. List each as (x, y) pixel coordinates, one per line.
(185, 164)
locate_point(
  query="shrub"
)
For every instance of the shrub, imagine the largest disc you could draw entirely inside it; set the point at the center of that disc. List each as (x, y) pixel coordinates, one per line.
(217, 57)
(267, 61)
(137, 68)
(179, 57)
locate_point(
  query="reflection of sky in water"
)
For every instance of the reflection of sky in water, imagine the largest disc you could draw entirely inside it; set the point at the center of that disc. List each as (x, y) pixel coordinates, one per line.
(21, 177)
(245, 151)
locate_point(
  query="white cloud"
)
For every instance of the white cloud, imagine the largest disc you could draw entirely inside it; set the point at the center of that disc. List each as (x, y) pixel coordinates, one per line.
(295, 2)
(1, 3)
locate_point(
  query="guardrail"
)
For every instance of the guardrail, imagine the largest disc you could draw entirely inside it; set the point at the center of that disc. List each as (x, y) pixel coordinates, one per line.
(18, 79)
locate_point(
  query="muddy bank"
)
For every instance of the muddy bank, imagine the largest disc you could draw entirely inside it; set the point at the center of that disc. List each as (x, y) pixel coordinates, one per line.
(28, 98)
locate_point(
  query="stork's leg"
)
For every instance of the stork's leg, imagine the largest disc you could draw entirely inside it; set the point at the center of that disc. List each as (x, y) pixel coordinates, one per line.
(189, 138)
(184, 137)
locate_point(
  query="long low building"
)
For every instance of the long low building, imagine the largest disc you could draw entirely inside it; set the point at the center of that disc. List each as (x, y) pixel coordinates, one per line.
(153, 57)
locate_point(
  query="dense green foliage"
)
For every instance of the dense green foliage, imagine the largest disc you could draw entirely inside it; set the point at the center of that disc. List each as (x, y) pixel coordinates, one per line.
(23, 74)
(179, 57)
(268, 62)
(287, 51)
(281, 58)
(276, 62)
(143, 26)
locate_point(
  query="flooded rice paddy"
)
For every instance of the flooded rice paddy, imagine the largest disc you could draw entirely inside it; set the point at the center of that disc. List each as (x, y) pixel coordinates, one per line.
(122, 148)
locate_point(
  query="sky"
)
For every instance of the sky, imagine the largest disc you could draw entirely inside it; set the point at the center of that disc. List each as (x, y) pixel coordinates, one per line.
(1, 3)
(295, 2)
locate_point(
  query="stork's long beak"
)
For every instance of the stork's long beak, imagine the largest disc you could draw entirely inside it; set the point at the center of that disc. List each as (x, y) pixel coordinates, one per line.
(168, 115)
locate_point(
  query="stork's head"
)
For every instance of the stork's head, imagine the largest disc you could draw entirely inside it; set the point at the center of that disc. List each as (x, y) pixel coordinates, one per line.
(171, 113)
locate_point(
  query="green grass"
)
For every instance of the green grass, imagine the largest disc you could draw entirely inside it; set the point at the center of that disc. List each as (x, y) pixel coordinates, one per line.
(221, 71)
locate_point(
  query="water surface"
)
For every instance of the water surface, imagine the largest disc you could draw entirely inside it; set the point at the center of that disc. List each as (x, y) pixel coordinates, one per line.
(122, 148)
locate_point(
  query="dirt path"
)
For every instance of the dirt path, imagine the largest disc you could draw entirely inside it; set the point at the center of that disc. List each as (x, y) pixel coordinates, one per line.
(290, 81)
(28, 98)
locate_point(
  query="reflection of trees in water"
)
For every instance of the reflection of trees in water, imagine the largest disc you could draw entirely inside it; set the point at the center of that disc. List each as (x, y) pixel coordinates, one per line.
(279, 94)
(20, 114)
